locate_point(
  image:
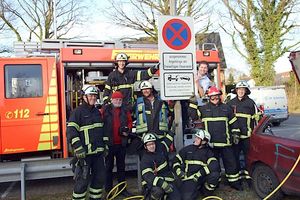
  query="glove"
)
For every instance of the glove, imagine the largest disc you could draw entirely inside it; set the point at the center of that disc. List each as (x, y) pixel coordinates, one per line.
(235, 138)
(156, 67)
(167, 187)
(80, 154)
(256, 116)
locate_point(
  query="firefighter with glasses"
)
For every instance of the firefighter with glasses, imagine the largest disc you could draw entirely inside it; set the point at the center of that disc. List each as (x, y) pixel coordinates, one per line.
(122, 79)
(197, 168)
(248, 115)
(220, 122)
(153, 114)
(157, 177)
(89, 143)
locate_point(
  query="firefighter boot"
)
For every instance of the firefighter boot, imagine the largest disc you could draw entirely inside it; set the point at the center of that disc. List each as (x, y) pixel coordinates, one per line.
(206, 192)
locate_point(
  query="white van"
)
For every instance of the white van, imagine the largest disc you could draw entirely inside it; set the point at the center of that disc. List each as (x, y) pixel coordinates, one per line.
(272, 100)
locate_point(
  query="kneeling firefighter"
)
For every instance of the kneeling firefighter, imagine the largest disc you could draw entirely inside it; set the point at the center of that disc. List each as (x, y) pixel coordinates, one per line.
(158, 179)
(86, 136)
(197, 167)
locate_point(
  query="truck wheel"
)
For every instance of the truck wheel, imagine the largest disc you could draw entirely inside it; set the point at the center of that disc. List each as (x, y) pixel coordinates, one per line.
(265, 181)
(276, 123)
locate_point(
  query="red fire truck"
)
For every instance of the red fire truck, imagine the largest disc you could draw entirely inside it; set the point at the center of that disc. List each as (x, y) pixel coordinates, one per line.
(39, 90)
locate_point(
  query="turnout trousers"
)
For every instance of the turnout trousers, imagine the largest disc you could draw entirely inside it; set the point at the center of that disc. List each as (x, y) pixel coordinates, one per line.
(118, 152)
(95, 179)
(229, 162)
(242, 148)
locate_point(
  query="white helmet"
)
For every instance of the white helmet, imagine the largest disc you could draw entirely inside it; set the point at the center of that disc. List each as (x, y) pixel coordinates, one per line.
(121, 56)
(243, 84)
(202, 134)
(149, 137)
(145, 85)
(89, 89)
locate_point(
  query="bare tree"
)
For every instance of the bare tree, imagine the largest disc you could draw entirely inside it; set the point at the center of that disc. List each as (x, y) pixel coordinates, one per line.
(263, 27)
(33, 19)
(141, 14)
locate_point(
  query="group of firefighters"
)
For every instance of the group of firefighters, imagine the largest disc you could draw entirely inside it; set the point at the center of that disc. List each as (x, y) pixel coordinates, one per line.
(98, 137)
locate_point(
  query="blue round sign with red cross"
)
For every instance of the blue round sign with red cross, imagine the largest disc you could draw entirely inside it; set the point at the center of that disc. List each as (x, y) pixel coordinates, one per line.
(176, 34)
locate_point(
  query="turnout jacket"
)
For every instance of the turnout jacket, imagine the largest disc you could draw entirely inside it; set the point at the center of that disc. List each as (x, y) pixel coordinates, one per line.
(85, 130)
(108, 117)
(247, 114)
(124, 83)
(193, 161)
(155, 166)
(152, 117)
(218, 120)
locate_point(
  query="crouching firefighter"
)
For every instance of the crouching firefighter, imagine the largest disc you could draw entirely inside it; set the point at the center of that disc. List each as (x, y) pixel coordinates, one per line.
(158, 179)
(197, 168)
(85, 133)
(220, 122)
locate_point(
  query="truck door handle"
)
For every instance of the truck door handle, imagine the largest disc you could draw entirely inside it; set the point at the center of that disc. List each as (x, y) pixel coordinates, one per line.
(41, 114)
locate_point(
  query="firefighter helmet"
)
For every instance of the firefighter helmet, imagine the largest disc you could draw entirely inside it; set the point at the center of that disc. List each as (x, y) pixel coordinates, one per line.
(242, 84)
(202, 134)
(213, 90)
(145, 85)
(89, 89)
(149, 137)
(122, 56)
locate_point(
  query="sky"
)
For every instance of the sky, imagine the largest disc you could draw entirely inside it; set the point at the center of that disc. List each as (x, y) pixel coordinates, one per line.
(99, 28)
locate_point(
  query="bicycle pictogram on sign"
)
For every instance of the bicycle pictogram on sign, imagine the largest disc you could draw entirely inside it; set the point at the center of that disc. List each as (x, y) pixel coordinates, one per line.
(176, 34)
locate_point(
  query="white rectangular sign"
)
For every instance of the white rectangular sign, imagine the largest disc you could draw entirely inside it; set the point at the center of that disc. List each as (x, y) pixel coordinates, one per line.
(176, 44)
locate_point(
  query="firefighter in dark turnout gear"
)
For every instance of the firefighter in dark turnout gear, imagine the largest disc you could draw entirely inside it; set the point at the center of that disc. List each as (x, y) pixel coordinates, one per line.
(152, 114)
(122, 79)
(157, 177)
(118, 124)
(197, 167)
(248, 115)
(221, 123)
(85, 133)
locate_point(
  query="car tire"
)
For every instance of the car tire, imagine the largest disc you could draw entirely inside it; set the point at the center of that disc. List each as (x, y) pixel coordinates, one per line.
(265, 181)
(276, 123)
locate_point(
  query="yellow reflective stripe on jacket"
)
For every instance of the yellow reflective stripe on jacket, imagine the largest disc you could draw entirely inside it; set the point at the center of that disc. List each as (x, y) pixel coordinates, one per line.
(124, 86)
(107, 87)
(193, 106)
(243, 115)
(73, 124)
(175, 165)
(195, 162)
(210, 160)
(249, 129)
(169, 137)
(104, 98)
(155, 181)
(179, 158)
(169, 179)
(147, 170)
(232, 120)
(165, 144)
(92, 126)
(149, 72)
(74, 140)
(215, 119)
(160, 167)
(138, 75)
(105, 138)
